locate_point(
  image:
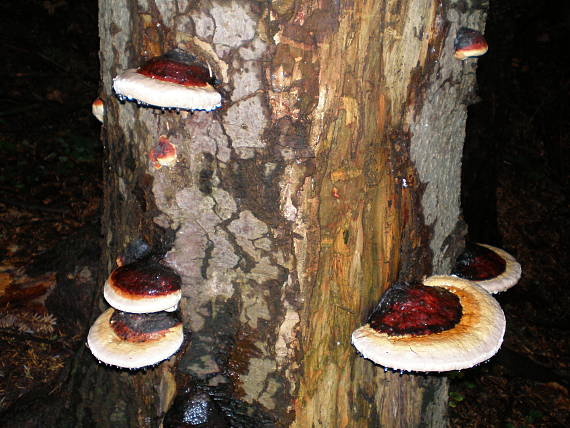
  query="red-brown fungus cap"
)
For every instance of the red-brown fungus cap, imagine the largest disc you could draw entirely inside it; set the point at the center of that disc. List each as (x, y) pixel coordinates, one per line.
(163, 154)
(415, 309)
(469, 43)
(492, 268)
(169, 70)
(143, 286)
(173, 81)
(475, 338)
(134, 340)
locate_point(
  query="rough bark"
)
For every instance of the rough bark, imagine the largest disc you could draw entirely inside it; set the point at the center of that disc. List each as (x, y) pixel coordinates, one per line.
(332, 170)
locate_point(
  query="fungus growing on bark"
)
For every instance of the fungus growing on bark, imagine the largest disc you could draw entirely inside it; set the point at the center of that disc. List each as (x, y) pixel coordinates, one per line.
(444, 323)
(143, 286)
(98, 109)
(173, 81)
(492, 268)
(134, 340)
(195, 409)
(163, 154)
(469, 43)
(137, 249)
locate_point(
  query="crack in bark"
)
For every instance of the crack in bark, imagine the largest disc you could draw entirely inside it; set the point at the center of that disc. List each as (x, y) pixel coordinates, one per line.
(207, 257)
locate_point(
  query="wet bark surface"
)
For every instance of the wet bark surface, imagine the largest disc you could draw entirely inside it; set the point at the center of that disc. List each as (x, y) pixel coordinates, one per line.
(268, 310)
(286, 213)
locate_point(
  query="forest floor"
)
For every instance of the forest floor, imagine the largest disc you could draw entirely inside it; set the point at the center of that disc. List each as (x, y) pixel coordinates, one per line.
(51, 188)
(50, 179)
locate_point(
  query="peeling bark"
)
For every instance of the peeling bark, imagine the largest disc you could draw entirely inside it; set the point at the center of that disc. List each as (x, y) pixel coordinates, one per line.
(331, 171)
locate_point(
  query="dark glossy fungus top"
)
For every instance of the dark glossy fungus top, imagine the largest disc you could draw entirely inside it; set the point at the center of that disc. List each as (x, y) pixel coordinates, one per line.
(478, 263)
(176, 72)
(142, 327)
(468, 38)
(146, 278)
(415, 309)
(136, 250)
(195, 409)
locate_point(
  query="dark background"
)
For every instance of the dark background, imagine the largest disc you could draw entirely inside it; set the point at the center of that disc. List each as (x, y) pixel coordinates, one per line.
(515, 190)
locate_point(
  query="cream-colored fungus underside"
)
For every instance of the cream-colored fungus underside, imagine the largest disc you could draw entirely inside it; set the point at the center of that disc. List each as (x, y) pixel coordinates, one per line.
(110, 349)
(155, 92)
(476, 338)
(140, 304)
(508, 278)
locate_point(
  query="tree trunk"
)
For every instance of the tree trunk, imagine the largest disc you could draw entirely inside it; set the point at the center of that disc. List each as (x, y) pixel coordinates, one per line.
(332, 170)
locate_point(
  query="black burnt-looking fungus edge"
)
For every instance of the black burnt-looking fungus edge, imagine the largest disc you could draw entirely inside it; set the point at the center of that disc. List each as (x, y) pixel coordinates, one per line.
(139, 327)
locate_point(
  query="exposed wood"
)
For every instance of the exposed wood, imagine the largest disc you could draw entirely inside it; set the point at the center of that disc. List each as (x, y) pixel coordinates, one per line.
(368, 216)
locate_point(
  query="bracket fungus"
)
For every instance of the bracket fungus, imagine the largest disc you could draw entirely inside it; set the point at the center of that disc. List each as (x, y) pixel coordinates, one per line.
(491, 268)
(174, 81)
(445, 323)
(98, 109)
(143, 286)
(134, 341)
(469, 43)
(163, 154)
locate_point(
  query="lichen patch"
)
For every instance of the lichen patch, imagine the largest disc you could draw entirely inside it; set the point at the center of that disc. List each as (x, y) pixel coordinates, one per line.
(248, 226)
(283, 346)
(233, 24)
(254, 381)
(246, 81)
(167, 10)
(254, 306)
(245, 122)
(203, 25)
(254, 50)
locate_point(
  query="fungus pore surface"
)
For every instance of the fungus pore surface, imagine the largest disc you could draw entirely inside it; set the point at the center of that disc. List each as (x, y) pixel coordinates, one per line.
(175, 80)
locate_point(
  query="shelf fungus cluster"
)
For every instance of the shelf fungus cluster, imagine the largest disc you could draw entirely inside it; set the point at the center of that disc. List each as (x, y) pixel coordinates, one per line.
(174, 81)
(443, 322)
(141, 328)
